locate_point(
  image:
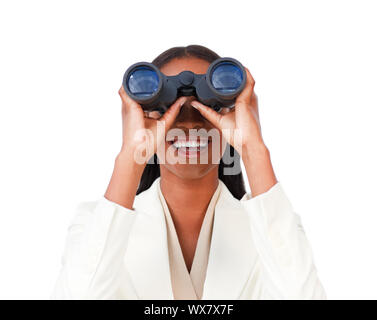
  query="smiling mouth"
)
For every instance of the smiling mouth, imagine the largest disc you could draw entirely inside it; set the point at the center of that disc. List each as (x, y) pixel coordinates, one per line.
(190, 146)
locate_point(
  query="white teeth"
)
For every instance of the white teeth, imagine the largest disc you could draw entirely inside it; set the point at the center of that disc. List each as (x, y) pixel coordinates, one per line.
(190, 144)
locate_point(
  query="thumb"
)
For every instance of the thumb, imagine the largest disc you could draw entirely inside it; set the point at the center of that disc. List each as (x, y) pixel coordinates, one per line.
(170, 114)
(208, 113)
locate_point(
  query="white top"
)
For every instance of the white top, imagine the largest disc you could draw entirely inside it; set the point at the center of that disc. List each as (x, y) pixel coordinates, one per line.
(258, 250)
(189, 285)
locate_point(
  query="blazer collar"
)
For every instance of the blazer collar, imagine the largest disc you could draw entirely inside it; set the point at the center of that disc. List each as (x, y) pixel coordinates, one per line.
(231, 258)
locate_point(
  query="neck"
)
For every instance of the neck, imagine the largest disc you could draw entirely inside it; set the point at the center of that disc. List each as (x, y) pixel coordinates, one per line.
(188, 199)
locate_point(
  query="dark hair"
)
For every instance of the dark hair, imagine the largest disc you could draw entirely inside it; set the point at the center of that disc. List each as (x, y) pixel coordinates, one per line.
(234, 183)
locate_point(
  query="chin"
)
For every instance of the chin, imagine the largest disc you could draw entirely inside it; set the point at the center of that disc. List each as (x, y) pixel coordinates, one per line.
(190, 171)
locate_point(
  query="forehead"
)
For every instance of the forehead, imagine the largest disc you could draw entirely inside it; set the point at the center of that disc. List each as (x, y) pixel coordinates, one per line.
(178, 65)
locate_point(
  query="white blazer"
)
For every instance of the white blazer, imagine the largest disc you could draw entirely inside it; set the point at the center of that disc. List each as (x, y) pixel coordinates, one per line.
(258, 251)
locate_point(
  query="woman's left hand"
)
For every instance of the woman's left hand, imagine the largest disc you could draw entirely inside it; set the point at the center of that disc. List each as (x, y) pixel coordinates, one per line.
(243, 118)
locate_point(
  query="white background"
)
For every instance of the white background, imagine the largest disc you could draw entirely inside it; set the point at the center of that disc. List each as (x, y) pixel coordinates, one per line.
(61, 66)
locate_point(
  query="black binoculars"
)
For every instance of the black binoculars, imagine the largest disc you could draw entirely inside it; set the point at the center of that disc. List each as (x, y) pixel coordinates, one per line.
(154, 91)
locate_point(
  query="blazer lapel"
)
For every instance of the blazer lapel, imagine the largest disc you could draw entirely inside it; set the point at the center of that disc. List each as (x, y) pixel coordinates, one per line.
(231, 259)
(232, 254)
(147, 258)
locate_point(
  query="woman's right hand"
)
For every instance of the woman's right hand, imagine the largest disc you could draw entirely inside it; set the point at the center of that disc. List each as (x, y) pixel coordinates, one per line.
(140, 127)
(139, 130)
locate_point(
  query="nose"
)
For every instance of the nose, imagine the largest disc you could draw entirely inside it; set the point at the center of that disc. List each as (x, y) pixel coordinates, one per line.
(189, 117)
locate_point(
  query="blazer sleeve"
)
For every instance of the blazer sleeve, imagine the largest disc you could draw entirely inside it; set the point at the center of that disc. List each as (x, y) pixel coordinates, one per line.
(94, 251)
(282, 236)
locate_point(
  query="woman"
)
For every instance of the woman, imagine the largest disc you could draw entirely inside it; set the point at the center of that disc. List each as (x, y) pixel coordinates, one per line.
(183, 230)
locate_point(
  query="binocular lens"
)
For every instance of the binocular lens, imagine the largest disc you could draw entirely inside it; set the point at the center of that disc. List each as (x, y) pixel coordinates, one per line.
(226, 77)
(143, 82)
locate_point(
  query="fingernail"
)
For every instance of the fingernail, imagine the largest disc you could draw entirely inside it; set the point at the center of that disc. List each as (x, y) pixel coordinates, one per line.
(195, 105)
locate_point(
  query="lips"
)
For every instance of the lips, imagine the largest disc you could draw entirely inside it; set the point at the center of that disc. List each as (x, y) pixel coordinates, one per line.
(190, 146)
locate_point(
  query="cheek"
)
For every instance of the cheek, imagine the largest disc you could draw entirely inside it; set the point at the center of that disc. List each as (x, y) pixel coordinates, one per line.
(218, 147)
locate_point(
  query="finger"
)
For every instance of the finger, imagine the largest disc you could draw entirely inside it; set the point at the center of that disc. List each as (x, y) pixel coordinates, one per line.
(254, 102)
(224, 111)
(208, 113)
(152, 114)
(128, 102)
(171, 114)
(247, 92)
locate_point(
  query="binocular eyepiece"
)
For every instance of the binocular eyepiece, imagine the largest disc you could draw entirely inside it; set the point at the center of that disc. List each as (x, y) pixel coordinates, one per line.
(217, 88)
